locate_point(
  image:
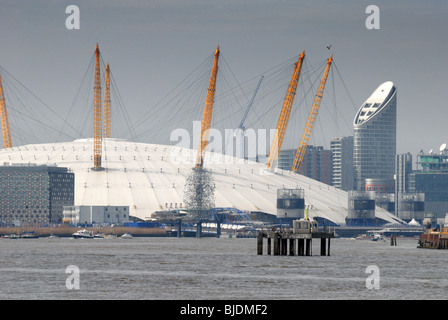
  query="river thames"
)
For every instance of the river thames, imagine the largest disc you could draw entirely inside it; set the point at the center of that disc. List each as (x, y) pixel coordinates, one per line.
(216, 269)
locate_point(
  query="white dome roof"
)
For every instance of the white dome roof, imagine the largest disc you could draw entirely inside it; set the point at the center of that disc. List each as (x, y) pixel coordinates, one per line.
(151, 177)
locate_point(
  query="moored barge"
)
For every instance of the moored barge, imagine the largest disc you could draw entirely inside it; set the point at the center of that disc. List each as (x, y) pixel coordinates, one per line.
(434, 239)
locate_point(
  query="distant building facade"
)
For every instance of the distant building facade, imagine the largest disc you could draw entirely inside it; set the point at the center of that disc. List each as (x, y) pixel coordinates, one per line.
(403, 168)
(31, 194)
(286, 159)
(374, 145)
(431, 178)
(342, 163)
(317, 163)
(96, 214)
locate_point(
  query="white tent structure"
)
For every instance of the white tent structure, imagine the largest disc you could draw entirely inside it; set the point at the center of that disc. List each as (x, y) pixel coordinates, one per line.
(151, 177)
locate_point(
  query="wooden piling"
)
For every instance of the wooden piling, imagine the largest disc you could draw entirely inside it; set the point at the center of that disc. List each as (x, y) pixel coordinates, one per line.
(328, 251)
(179, 228)
(393, 239)
(260, 244)
(284, 246)
(323, 248)
(276, 244)
(292, 246)
(269, 246)
(199, 229)
(301, 245)
(218, 229)
(308, 249)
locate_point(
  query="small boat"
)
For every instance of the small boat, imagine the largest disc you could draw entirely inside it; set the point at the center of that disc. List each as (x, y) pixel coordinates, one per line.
(11, 236)
(126, 235)
(83, 234)
(377, 237)
(29, 235)
(99, 235)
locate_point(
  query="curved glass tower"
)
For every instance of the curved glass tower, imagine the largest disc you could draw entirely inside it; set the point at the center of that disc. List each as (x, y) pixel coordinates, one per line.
(375, 133)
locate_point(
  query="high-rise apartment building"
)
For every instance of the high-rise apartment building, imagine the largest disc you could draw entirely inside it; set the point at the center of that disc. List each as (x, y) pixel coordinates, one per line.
(374, 146)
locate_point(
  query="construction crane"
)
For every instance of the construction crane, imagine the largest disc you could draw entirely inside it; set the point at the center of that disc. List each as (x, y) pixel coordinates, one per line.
(97, 127)
(4, 118)
(207, 116)
(241, 126)
(301, 150)
(107, 117)
(285, 113)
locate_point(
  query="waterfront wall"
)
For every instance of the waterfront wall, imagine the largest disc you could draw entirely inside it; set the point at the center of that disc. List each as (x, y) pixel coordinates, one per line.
(67, 231)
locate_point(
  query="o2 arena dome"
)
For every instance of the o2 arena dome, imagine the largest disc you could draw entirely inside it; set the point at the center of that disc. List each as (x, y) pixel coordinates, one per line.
(151, 177)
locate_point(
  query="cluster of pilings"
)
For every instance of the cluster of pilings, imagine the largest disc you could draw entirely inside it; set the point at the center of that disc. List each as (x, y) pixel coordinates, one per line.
(199, 232)
(393, 239)
(282, 243)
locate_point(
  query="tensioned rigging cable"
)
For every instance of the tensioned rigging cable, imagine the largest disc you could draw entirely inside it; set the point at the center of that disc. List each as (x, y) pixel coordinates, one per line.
(185, 103)
(28, 101)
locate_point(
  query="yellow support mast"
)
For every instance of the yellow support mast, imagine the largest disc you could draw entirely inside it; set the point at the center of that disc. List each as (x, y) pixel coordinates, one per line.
(7, 142)
(97, 127)
(301, 150)
(107, 117)
(285, 113)
(207, 116)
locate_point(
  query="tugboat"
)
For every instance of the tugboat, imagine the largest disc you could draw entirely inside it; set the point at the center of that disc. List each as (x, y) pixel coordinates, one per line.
(83, 234)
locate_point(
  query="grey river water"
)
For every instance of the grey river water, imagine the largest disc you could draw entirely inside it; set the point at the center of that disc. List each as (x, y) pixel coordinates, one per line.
(211, 268)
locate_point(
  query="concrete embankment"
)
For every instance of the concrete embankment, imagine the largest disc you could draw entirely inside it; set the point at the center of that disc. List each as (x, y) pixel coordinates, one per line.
(67, 231)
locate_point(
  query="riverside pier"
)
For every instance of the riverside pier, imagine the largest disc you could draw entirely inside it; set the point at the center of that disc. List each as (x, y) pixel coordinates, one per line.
(304, 231)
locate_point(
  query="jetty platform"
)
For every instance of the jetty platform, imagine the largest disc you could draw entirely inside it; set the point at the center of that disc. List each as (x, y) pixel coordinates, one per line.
(295, 241)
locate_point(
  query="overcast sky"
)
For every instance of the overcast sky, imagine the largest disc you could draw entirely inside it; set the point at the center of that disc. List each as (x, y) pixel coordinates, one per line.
(153, 45)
